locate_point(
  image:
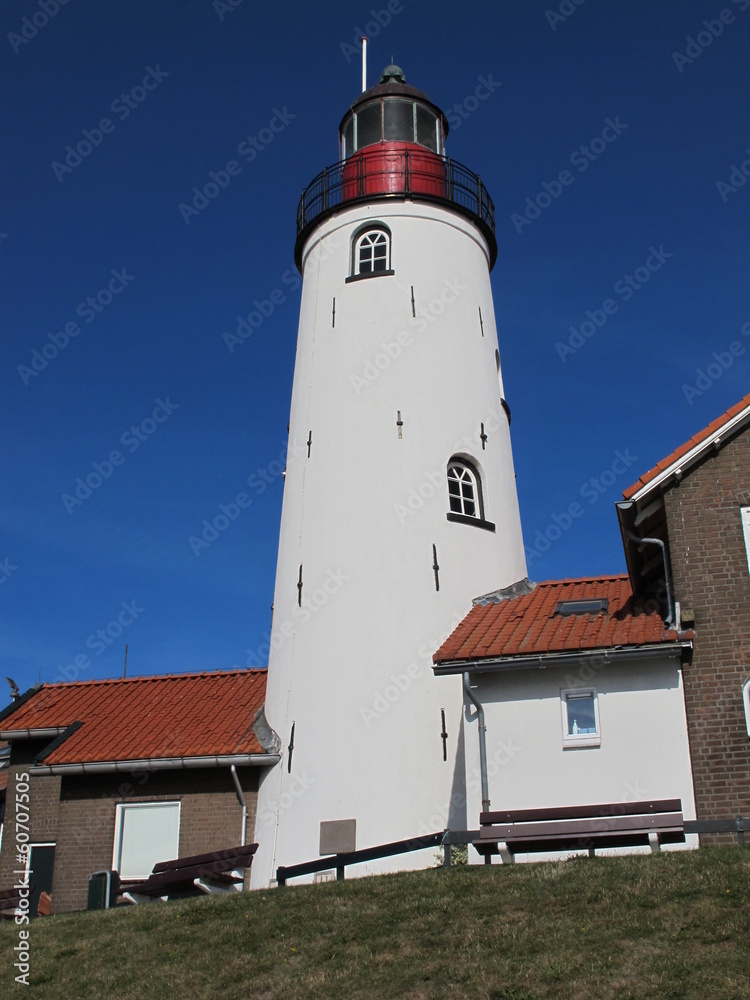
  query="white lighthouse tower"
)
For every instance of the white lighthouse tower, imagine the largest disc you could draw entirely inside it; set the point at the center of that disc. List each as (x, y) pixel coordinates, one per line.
(400, 502)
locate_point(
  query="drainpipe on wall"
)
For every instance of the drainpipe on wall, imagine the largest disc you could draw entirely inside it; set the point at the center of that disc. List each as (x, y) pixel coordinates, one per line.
(657, 541)
(241, 797)
(482, 742)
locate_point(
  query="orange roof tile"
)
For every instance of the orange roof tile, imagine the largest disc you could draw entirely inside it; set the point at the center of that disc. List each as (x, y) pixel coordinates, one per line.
(702, 437)
(528, 625)
(140, 718)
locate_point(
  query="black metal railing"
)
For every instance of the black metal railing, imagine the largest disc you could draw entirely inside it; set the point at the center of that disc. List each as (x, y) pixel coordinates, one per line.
(397, 174)
(340, 861)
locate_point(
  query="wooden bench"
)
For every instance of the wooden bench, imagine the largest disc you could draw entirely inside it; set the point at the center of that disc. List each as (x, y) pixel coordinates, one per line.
(191, 876)
(580, 828)
(10, 900)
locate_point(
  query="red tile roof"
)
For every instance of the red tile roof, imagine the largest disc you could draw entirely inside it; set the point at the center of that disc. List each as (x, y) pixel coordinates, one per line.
(702, 437)
(140, 718)
(528, 625)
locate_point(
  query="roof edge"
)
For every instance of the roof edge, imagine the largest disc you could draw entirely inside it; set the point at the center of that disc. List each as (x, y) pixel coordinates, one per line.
(14, 705)
(540, 661)
(48, 732)
(676, 468)
(158, 764)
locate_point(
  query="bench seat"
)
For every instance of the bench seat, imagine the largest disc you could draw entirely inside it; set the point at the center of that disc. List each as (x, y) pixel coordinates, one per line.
(192, 876)
(580, 828)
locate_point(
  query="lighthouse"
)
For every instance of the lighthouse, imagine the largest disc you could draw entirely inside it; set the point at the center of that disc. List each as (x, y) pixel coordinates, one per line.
(399, 502)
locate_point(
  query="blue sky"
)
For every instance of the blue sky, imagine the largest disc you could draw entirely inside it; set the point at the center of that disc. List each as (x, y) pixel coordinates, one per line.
(125, 297)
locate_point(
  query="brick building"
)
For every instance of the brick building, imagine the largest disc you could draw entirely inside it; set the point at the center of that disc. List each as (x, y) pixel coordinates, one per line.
(696, 501)
(658, 661)
(125, 773)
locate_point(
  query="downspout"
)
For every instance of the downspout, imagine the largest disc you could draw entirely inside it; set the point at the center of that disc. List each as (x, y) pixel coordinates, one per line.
(241, 797)
(657, 541)
(482, 742)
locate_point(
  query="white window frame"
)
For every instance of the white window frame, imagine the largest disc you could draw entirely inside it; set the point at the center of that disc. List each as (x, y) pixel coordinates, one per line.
(372, 232)
(580, 739)
(468, 469)
(746, 703)
(745, 513)
(120, 811)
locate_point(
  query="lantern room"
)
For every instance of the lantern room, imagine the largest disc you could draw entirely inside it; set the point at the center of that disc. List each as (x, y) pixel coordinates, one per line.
(392, 145)
(390, 112)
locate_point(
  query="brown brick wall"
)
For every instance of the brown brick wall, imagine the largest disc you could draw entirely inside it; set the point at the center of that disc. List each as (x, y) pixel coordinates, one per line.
(43, 806)
(78, 814)
(710, 572)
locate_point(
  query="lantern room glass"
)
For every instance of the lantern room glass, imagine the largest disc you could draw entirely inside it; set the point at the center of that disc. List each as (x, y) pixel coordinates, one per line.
(391, 119)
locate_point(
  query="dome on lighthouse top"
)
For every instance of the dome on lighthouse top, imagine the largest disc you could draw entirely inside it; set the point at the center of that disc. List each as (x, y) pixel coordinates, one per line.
(389, 101)
(392, 73)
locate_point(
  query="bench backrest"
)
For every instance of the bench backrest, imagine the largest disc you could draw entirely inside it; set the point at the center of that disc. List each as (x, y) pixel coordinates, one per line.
(226, 860)
(649, 808)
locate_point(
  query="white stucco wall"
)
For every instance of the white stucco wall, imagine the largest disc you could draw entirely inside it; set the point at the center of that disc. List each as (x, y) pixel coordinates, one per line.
(352, 669)
(644, 752)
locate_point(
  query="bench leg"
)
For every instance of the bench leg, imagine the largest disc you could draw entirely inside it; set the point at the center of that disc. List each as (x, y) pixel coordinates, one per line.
(653, 842)
(505, 854)
(592, 852)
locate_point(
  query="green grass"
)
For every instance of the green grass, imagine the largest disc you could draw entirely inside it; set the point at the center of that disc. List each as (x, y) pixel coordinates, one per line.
(676, 925)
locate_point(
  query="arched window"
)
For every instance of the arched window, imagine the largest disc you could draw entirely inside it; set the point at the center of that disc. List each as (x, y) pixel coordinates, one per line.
(371, 252)
(465, 494)
(463, 489)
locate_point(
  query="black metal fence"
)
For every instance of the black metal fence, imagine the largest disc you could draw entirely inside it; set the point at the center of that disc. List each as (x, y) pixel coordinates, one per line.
(390, 175)
(340, 861)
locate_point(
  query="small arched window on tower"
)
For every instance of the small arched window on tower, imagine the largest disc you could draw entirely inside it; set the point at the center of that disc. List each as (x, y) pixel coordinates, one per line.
(371, 252)
(465, 494)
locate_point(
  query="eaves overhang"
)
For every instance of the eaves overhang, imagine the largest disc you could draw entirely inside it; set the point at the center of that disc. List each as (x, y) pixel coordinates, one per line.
(542, 661)
(43, 733)
(157, 764)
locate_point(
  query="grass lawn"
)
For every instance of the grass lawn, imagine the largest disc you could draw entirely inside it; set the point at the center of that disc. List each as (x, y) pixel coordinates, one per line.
(676, 925)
